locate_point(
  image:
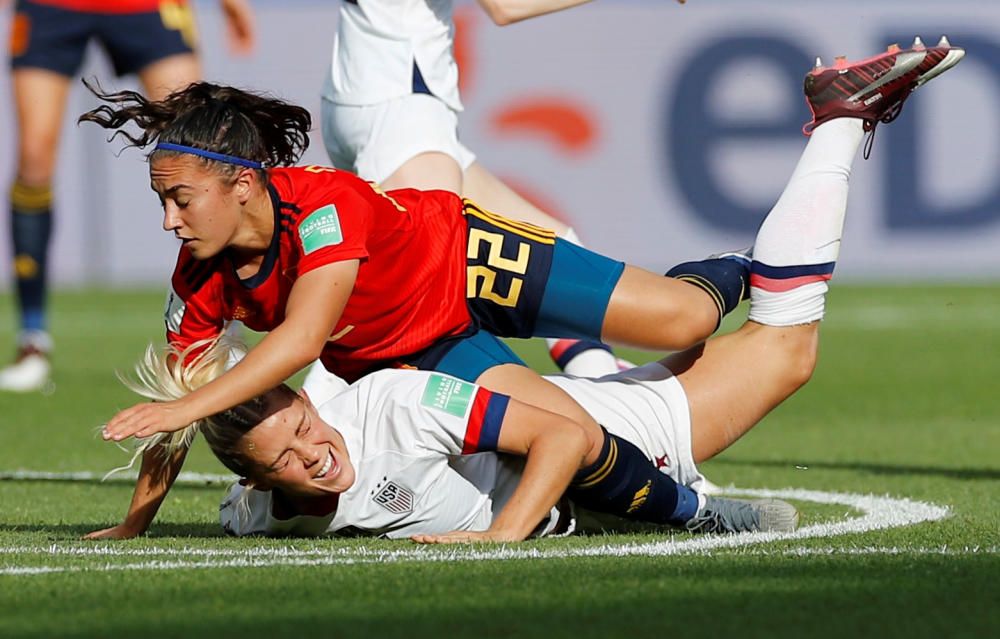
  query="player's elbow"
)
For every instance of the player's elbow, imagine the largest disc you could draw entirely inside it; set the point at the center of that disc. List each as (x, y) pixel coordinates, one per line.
(500, 12)
(307, 341)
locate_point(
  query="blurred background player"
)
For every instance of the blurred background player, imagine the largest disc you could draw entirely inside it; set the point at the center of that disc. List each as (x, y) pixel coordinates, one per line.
(154, 39)
(390, 114)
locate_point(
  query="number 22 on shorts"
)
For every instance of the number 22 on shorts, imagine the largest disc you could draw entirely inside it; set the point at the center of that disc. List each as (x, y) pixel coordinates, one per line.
(495, 262)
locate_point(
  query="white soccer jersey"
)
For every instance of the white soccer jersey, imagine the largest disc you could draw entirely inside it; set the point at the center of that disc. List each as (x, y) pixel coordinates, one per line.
(378, 43)
(420, 443)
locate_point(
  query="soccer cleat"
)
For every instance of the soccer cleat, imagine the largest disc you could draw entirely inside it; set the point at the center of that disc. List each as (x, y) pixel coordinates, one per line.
(874, 89)
(723, 515)
(29, 372)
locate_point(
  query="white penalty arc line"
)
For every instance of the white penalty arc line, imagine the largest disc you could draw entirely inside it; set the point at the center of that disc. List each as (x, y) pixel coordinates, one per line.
(878, 513)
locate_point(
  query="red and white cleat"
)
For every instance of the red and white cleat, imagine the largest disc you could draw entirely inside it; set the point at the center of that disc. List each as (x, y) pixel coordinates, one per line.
(874, 89)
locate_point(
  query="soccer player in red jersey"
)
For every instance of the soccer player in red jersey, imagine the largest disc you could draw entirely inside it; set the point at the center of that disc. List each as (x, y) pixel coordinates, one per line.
(154, 39)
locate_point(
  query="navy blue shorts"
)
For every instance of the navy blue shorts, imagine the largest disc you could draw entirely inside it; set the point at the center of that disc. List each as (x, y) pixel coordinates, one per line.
(55, 39)
(522, 281)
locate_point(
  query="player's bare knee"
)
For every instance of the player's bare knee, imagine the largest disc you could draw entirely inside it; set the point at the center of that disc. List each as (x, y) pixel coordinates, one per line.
(588, 440)
(584, 435)
(36, 164)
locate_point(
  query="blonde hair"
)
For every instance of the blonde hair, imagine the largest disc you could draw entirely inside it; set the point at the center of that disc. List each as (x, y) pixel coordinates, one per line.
(168, 374)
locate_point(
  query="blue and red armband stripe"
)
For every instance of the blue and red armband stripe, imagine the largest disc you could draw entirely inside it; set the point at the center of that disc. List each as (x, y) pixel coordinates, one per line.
(485, 420)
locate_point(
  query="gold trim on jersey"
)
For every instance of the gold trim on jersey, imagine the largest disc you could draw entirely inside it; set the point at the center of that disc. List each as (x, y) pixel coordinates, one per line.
(347, 329)
(524, 229)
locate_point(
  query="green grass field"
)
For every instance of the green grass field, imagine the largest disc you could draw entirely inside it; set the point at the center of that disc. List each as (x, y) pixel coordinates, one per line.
(905, 404)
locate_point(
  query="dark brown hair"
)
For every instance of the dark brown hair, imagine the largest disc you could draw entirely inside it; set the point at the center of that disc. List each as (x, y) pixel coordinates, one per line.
(211, 117)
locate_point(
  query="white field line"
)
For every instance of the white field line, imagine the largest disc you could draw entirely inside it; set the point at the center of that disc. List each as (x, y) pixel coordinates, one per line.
(850, 551)
(879, 512)
(188, 478)
(319, 557)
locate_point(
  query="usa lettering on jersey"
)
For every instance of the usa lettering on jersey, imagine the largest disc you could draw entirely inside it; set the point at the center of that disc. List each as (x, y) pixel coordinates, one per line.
(395, 499)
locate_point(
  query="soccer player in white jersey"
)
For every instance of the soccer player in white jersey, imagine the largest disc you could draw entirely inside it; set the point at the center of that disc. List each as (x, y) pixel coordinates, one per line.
(390, 114)
(400, 453)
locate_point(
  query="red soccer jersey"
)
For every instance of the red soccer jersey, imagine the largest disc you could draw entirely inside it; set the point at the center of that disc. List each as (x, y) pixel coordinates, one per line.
(109, 6)
(410, 289)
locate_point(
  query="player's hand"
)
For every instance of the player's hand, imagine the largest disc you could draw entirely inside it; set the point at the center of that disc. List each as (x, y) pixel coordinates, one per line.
(467, 537)
(121, 531)
(143, 420)
(241, 26)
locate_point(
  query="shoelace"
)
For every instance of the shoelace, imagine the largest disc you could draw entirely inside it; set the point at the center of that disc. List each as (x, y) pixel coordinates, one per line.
(870, 125)
(709, 522)
(712, 521)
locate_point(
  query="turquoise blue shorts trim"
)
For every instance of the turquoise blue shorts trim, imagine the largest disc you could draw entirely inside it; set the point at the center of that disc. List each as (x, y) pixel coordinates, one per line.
(577, 293)
(469, 357)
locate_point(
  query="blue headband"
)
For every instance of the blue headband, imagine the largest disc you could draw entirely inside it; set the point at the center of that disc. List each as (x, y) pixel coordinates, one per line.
(211, 155)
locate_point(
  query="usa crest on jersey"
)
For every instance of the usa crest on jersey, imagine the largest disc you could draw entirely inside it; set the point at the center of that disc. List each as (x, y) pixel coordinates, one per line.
(394, 498)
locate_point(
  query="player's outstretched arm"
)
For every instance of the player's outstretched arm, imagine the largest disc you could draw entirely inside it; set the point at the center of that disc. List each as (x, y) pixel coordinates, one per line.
(555, 448)
(315, 304)
(504, 12)
(156, 476)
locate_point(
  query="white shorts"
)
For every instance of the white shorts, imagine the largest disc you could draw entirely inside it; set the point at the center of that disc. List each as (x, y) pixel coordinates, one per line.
(648, 407)
(373, 141)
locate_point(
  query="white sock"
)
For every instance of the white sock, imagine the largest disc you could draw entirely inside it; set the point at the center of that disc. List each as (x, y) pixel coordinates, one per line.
(590, 362)
(798, 243)
(594, 362)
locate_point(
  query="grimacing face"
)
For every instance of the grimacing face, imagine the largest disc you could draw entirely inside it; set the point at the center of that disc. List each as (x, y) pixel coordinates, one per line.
(200, 206)
(295, 451)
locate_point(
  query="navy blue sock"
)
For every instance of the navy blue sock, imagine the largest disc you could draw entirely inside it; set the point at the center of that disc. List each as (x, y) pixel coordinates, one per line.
(625, 483)
(31, 229)
(725, 279)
